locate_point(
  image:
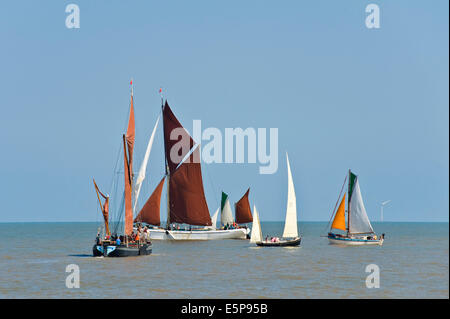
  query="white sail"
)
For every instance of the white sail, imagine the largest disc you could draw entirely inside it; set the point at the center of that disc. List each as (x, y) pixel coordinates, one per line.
(214, 219)
(256, 234)
(141, 175)
(359, 222)
(226, 217)
(290, 224)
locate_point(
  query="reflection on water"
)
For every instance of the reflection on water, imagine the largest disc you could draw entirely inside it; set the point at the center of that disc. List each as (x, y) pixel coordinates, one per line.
(411, 267)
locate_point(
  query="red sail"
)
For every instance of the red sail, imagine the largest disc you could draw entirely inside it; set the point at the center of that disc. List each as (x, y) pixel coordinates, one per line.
(128, 144)
(130, 136)
(128, 209)
(181, 142)
(150, 212)
(186, 196)
(242, 209)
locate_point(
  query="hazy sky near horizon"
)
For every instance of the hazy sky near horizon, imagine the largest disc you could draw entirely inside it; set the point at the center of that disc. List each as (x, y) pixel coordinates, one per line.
(341, 95)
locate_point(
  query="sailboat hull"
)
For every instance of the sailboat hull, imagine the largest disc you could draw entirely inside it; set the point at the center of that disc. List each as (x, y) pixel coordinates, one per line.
(349, 241)
(281, 243)
(211, 234)
(122, 250)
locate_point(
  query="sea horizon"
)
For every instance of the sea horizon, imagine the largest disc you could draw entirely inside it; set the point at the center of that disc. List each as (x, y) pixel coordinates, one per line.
(262, 221)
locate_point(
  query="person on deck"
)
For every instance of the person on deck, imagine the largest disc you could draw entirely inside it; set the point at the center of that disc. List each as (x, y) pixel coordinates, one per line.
(118, 241)
(137, 238)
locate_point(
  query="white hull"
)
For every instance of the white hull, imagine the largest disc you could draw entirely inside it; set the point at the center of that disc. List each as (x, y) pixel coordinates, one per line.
(354, 241)
(213, 234)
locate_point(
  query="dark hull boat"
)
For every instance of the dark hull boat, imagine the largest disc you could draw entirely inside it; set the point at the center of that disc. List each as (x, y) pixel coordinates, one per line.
(129, 244)
(281, 243)
(290, 234)
(111, 250)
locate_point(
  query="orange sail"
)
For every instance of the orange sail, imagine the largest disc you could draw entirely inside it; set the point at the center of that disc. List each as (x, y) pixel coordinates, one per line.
(104, 207)
(130, 136)
(243, 211)
(339, 219)
(128, 144)
(150, 212)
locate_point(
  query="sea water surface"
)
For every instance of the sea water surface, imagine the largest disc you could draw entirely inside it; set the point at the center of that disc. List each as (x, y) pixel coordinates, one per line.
(413, 263)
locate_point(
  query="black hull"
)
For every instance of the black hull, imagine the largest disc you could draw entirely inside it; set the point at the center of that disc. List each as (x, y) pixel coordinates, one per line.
(122, 250)
(281, 243)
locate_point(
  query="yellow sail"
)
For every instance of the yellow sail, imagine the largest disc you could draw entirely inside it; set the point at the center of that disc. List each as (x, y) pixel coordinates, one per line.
(339, 219)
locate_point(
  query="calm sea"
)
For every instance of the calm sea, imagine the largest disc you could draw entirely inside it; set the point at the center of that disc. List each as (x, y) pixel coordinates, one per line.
(413, 263)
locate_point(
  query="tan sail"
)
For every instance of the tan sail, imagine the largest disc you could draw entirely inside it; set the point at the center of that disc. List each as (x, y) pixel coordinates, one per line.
(150, 213)
(339, 219)
(128, 144)
(130, 136)
(242, 210)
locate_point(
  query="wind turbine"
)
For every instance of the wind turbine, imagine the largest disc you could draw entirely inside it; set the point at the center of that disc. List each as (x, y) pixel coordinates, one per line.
(382, 206)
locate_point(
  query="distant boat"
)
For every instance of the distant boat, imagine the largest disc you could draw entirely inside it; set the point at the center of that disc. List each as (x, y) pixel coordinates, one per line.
(187, 211)
(242, 212)
(358, 230)
(290, 232)
(122, 245)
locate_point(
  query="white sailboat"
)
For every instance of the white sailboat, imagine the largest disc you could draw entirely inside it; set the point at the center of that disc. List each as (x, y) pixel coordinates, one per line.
(256, 235)
(290, 232)
(359, 231)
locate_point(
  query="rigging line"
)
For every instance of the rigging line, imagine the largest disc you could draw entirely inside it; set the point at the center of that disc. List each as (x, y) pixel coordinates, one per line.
(334, 210)
(115, 167)
(119, 220)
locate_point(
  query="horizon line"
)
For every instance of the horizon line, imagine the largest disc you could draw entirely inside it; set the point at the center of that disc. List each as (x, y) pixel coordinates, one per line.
(267, 221)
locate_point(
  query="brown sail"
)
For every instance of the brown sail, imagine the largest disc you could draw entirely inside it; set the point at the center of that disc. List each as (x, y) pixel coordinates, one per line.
(186, 196)
(128, 144)
(150, 212)
(104, 207)
(181, 142)
(130, 136)
(242, 210)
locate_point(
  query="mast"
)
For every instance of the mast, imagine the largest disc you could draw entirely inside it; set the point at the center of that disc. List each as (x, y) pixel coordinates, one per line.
(348, 203)
(128, 145)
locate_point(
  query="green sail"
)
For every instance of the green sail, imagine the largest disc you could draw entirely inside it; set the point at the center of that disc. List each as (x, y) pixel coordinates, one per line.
(224, 199)
(351, 185)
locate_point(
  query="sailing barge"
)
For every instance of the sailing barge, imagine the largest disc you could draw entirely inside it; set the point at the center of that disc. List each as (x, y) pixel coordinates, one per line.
(358, 230)
(188, 215)
(127, 244)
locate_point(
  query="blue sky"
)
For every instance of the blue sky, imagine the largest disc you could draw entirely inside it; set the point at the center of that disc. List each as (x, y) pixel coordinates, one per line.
(342, 96)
